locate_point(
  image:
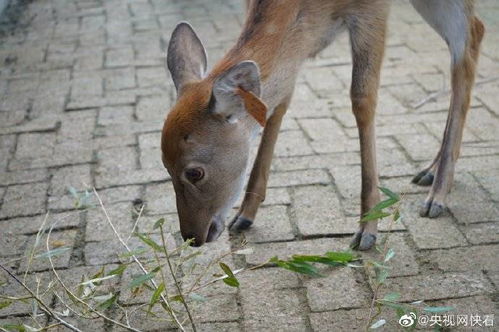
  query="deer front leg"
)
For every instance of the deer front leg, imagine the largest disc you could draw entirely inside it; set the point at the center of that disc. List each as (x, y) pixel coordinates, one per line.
(367, 40)
(257, 184)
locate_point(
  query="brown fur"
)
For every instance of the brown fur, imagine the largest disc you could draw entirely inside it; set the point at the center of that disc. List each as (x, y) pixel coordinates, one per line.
(279, 35)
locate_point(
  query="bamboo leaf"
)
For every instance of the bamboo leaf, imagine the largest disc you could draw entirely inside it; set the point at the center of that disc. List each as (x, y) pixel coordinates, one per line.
(52, 253)
(438, 309)
(159, 223)
(150, 242)
(108, 303)
(5, 304)
(391, 297)
(378, 324)
(226, 269)
(197, 297)
(389, 255)
(156, 295)
(118, 271)
(374, 215)
(390, 193)
(231, 281)
(141, 279)
(96, 280)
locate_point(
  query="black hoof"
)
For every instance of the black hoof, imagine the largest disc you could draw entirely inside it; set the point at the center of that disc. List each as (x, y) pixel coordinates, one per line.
(431, 209)
(363, 241)
(424, 178)
(240, 224)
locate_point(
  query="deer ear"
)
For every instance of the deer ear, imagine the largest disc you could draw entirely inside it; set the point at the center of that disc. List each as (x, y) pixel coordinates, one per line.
(237, 92)
(186, 57)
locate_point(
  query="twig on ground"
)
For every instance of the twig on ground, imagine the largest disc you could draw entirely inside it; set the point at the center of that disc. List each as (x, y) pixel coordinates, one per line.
(47, 243)
(141, 266)
(43, 306)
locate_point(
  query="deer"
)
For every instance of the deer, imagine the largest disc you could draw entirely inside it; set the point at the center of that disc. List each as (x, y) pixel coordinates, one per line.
(207, 134)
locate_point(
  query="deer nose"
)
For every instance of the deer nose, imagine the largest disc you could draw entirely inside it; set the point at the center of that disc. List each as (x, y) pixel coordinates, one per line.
(196, 241)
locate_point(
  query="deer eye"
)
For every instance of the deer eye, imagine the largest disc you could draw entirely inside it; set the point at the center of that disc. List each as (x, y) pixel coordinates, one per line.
(194, 174)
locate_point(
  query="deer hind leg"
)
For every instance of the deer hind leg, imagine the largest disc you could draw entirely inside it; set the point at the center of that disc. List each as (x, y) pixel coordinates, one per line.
(257, 184)
(367, 40)
(463, 32)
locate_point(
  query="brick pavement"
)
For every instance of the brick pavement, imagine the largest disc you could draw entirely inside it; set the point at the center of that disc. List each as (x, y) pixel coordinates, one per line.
(84, 91)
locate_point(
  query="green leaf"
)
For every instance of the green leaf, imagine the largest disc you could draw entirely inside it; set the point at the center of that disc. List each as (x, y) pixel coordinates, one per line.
(378, 324)
(197, 297)
(135, 252)
(226, 269)
(374, 215)
(141, 279)
(438, 309)
(108, 303)
(97, 280)
(391, 297)
(5, 304)
(156, 295)
(295, 266)
(176, 298)
(389, 193)
(98, 274)
(341, 256)
(52, 253)
(231, 281)
(13, 327)
(381, 275)
(389, 255)
(396, 215)
(150, 242)
(384, 204)
(118, 271)
(159, 223)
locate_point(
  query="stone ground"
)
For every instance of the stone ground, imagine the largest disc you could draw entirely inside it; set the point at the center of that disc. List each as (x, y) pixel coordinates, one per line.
(83, 96)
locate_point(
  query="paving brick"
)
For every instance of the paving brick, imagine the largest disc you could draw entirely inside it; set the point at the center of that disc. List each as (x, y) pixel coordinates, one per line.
(33, 145)
(117, 159)
(115, 114)
(24, 199)
(131, 177)
(23, 176)
(119, 57)
(317, 211)
(430, 233)
(293, 178)
(77, 177)
(339, 289)
(439, 286)
(469, 203)
(272, 224)
(98, 228)
(153, 108)
(481, 233)
(61, 239)
(31, 225)
(160, 198)
(292, 143)
(468, 258)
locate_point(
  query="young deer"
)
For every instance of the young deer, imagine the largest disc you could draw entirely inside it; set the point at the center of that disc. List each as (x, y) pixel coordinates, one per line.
(206, 136)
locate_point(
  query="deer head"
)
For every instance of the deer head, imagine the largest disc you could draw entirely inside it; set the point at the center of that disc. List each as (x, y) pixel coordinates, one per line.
(206, 135)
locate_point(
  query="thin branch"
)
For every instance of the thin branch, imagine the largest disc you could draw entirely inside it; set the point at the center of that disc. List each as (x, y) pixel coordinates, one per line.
(163, 242)
(136, 223)
(73, 295)
(165, 301)
(44, 307)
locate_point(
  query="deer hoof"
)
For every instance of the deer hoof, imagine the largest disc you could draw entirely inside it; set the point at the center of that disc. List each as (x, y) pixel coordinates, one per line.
(363, 240)
(431, 209)
(424, 178)
(240, 224)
